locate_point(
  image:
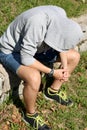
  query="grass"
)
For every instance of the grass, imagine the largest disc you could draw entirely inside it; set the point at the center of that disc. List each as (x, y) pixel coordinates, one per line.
(57, 116)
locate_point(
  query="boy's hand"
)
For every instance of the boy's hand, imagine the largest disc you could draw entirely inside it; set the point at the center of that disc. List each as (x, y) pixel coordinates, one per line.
(60, 74)
(66, 75)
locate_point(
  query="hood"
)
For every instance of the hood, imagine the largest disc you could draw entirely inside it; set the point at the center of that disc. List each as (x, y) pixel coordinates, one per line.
(63, 34)
(71, 32)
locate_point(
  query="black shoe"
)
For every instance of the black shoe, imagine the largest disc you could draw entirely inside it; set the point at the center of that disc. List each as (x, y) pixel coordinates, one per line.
(36, 122)
(59, 96)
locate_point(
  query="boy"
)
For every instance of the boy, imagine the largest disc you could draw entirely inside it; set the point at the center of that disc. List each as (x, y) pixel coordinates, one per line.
(35, 38)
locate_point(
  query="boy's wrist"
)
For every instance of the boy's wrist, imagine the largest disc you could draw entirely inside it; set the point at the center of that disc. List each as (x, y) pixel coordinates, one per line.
(50, 74)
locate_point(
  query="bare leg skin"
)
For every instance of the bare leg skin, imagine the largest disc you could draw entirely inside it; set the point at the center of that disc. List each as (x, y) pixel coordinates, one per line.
(32, 80)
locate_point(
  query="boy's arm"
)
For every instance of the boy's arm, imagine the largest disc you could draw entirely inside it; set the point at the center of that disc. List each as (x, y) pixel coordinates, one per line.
(58, 73)
(63, 57)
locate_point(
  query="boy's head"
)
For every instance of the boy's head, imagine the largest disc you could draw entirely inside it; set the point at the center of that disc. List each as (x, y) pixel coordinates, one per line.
(72, 33)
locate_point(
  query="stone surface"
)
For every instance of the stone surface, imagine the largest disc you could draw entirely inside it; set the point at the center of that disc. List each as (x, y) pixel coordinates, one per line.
(82, 20)
(9, 81)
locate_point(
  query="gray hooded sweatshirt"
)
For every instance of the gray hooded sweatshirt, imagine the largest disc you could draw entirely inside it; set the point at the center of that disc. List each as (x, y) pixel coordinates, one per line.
(37, 29)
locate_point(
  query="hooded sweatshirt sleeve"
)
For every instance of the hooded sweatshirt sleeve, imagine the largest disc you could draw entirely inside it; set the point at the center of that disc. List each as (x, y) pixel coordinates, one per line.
(34, 32)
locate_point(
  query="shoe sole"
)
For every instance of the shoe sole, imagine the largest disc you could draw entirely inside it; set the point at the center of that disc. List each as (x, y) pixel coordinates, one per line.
(47, 98)
(57, 102)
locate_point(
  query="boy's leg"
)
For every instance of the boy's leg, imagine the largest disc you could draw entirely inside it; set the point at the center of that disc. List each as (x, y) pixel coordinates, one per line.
(73, 60)
(32, 80)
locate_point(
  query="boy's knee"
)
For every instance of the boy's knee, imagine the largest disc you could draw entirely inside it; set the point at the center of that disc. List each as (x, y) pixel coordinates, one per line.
(30, 76)
(74, 56)
(34, 80)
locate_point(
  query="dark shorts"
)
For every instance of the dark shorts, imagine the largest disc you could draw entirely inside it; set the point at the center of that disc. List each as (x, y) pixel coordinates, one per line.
(48, 57)
(13, 61)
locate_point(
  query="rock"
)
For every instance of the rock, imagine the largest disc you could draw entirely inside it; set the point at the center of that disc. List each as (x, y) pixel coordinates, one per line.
(82, 20)
(8, 82)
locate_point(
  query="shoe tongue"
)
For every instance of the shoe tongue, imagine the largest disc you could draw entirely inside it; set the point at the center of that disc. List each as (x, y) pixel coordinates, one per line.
(52, 90)
(33, 115)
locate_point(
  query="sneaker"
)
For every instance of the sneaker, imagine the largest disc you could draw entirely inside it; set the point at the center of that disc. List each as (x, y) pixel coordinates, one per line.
(59, 96)
(36, 122)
